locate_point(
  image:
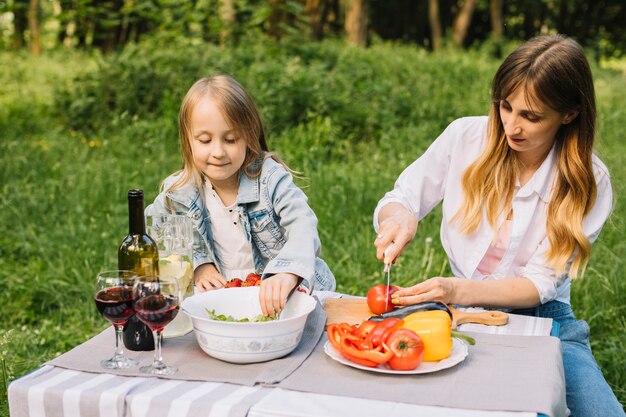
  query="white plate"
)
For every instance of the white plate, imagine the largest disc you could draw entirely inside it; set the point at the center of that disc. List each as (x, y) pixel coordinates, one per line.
(458, 354)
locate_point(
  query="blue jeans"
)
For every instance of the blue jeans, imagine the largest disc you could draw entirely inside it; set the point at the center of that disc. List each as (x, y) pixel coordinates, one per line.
(587, 392)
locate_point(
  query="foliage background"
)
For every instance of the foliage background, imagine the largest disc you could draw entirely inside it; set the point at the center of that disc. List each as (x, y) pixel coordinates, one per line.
(79, 127)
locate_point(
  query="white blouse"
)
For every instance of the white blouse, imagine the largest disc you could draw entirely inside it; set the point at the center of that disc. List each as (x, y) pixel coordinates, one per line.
(436, 177)
(233, 250)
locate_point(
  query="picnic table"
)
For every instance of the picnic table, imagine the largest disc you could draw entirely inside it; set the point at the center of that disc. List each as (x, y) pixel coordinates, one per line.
(514, 370)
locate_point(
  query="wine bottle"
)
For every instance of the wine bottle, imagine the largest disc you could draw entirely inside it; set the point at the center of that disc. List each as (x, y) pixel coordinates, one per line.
(138, 252)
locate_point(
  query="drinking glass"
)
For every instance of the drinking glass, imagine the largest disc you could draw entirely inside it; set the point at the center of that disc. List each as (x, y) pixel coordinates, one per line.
(157, 301)
(114, 300)
(173, 235)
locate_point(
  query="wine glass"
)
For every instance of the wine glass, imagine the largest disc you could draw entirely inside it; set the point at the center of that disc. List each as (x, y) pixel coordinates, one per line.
(114, 300)
(157, 299)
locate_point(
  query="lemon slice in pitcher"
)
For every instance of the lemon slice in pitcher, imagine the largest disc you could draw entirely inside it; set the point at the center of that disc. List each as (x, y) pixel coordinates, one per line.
(179, 267)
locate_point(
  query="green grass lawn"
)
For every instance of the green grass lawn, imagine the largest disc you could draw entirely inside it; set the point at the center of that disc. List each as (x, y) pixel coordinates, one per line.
(77, 131)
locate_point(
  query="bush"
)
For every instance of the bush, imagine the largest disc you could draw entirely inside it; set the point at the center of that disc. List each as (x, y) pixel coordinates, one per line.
(362, 92)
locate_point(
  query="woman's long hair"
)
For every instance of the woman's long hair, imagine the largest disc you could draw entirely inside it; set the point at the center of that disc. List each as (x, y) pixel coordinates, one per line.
(553, 70)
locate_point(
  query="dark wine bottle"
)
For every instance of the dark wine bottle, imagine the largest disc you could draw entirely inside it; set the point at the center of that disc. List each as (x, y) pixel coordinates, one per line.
(138, 252)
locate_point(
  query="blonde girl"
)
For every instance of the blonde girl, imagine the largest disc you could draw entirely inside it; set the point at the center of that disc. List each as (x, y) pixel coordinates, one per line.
(249, 216)
(523, 198)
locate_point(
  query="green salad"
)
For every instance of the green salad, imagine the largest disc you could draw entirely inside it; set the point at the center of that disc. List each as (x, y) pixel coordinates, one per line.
(222, 317)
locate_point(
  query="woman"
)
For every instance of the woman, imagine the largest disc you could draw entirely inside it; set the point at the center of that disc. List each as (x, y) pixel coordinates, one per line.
(523, 199)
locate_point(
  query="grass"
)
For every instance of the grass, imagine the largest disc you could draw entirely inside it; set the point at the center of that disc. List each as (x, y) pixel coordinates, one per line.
(349, 120)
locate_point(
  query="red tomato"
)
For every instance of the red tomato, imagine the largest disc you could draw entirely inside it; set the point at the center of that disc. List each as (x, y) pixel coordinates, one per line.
(252, 278)
(235, 282)
(407, 348)
(379, 298)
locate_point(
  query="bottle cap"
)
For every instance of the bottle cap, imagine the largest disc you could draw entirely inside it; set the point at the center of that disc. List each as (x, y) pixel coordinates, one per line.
(135, 193)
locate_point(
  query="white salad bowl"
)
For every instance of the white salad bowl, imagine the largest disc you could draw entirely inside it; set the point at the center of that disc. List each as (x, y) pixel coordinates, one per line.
(246, 342)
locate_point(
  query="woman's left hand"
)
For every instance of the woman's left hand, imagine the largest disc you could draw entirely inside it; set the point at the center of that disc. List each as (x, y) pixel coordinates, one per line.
(274, 291)
(437, 288)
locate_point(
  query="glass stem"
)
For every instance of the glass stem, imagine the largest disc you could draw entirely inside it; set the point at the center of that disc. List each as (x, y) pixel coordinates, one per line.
(158, 359)
(119, 350)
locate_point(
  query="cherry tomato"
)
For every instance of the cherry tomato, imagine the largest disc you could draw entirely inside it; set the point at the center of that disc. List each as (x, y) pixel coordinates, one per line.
(407, 348)
(253, 278)
(235, 282)
(379, 298)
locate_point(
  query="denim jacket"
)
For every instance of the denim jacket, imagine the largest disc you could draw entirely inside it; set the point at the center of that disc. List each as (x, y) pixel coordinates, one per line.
(271, 208)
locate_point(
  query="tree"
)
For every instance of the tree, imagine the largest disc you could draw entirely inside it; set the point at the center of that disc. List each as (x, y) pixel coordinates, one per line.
(435, 24)
(317, 11)
(495, 12)
(462, 21)
(228, 17)
(33, 27)
(356, 22)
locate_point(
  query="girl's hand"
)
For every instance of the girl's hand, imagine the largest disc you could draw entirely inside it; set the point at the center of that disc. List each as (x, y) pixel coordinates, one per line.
(438, 288)
(274, 291)
(397, 226)
(208, 278)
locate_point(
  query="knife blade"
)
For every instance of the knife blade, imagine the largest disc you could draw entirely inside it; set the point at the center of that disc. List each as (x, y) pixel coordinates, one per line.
(387, 270)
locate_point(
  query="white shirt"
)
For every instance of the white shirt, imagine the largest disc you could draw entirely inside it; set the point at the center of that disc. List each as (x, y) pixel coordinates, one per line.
(232, 249)
(436, 176)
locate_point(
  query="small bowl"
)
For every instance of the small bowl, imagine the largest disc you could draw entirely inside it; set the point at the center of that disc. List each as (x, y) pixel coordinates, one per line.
(246, 342)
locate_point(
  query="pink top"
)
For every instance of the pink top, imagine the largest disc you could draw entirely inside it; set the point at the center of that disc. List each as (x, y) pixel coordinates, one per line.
(496, 250)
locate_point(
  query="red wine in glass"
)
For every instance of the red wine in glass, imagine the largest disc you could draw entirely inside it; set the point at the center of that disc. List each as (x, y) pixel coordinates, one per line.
(157, 299)
(114, 300)
(157, 310)
(115, 304)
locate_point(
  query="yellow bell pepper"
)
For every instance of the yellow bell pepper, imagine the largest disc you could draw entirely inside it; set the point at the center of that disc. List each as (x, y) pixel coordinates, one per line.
(433, 327)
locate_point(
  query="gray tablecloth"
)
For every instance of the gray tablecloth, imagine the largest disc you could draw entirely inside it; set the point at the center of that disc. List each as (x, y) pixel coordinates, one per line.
(512, 373)
(192, 363)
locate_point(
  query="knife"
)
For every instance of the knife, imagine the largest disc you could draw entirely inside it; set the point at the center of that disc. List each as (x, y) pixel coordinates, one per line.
(387, 270)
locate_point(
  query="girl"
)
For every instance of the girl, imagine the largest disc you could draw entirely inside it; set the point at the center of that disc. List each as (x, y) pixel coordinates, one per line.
(523, 199)
(248, 214)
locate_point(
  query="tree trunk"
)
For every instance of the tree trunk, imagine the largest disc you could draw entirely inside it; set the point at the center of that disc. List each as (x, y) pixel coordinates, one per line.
(462, 21)
(20, 23)
(33, 27)
(497, 25)
(356, 22)
(228, 17)
(317, 11)
(435, 24)
(276, 19)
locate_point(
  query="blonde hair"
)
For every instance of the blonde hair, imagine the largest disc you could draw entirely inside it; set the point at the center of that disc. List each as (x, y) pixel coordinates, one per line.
(240, 112)
(554, 70)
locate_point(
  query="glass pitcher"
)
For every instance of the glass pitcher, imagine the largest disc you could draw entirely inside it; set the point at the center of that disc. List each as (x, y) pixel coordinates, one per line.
(174, 236)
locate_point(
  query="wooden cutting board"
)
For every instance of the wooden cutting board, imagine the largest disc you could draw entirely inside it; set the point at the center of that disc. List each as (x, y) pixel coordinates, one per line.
(355, 311)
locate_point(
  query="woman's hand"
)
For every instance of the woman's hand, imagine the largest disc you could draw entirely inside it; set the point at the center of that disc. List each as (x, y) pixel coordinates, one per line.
(396, 226)
(208, 278)
(438, 288)
(274, 291)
